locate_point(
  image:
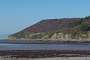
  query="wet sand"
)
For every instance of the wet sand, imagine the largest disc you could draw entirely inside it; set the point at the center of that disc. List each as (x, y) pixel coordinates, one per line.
(15, 52)
(44, 53)
(54, 58)
(43, 41)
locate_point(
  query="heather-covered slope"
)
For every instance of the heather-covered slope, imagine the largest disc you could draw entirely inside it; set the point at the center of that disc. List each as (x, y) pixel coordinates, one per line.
(53, 24)
(46, 29)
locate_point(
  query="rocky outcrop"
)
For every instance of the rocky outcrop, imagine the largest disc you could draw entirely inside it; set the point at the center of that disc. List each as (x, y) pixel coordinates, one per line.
(57, 29)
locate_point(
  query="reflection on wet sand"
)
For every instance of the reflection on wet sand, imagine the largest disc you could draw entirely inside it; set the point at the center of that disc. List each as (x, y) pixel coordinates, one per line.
(54, 58)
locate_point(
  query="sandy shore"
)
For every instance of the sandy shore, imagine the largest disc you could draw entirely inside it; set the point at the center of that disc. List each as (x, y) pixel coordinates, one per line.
(54, 58)
(43, 53)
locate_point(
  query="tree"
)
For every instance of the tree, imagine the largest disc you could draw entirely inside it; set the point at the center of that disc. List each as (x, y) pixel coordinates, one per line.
(87, 17)
(83, 26)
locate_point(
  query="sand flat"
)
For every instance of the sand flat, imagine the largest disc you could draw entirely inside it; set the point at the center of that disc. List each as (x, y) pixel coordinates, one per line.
(54, 58)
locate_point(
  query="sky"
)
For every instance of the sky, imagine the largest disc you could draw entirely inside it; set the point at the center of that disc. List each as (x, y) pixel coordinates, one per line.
(16, 15)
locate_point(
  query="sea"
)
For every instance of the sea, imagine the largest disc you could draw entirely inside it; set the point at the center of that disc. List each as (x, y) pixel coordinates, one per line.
(4, 36)
(6, 46)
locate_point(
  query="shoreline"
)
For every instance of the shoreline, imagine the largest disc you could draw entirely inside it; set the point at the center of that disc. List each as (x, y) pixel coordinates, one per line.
(42, 42)
(43, 53)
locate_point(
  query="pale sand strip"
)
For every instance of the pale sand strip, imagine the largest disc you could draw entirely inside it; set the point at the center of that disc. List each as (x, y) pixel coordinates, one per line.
(56, 58)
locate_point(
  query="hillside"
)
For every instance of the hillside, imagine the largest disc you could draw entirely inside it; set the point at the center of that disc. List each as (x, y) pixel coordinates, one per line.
(54, 28)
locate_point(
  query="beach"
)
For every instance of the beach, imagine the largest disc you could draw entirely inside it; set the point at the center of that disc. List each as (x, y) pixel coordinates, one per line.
(17, 50)
(54, 58)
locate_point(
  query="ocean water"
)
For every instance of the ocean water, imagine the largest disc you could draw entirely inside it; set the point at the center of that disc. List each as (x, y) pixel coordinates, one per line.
(5, 46)
(3, 36)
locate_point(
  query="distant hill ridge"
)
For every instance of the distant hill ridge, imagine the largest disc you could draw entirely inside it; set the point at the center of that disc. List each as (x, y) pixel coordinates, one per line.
(52, 25)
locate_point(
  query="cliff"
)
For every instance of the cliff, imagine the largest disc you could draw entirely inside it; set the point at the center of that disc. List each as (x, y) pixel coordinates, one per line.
(60, 29)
